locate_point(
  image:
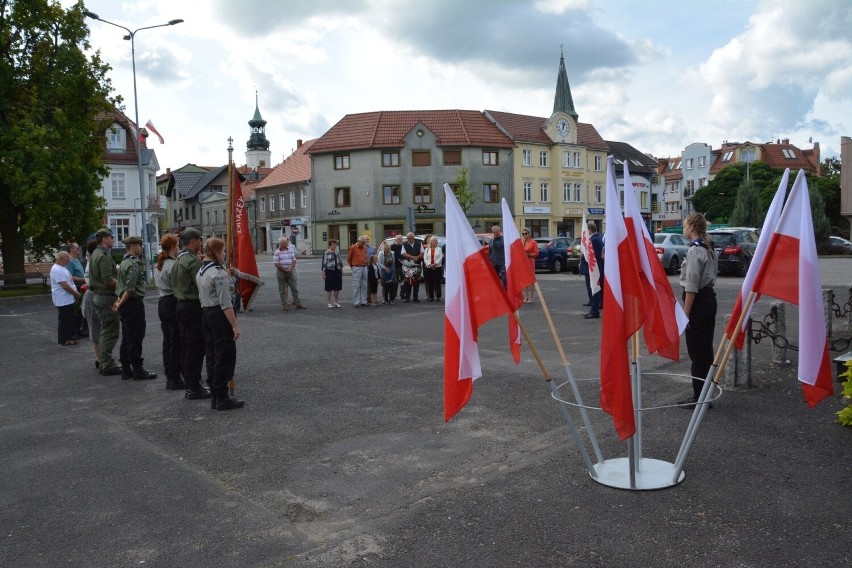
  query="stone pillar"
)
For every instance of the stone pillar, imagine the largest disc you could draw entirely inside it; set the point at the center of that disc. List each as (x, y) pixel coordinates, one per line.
(779, 328)
(827, 307)
(738, 370)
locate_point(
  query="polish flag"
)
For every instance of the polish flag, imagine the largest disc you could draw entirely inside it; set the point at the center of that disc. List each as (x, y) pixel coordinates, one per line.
(665, 319)
(589, 255)
(473, 296)
(150, 126)
(623, 316)
(769, 225)
(790, 272)
(519, 275)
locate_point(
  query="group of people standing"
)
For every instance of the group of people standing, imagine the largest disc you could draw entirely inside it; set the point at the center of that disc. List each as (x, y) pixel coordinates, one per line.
(195, 311)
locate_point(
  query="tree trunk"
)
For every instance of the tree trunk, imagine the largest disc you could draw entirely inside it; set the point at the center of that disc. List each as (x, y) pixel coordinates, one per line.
(11, 247)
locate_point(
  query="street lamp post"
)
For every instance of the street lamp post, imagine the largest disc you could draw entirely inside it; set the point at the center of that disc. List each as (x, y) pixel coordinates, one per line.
(131, 35)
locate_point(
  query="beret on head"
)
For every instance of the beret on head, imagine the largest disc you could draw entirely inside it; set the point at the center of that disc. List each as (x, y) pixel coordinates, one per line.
(189, 234)
(103, 232)
(132, 241)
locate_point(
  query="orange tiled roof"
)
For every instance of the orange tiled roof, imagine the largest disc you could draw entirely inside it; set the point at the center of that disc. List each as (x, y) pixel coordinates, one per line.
(524, 128)
(386, 129)
(295, 168)
(248, 186)
(771, 154)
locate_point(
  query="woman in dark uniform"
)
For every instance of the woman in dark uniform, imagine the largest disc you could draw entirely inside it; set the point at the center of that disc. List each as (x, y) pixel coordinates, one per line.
(698, 276)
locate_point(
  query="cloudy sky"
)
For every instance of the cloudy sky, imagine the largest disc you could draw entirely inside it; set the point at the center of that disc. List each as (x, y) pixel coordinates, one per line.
(658, 74)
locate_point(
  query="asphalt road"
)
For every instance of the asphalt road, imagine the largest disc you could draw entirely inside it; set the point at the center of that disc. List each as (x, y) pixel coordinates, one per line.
(341, 456)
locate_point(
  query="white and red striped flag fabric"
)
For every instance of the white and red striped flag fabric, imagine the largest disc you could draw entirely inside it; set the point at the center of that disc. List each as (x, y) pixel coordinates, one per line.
(589, 256)
(150, 126)
(769, 224)
(665, 319)
(790, 272)
(623, 316)
(473, 296)
(519, 275)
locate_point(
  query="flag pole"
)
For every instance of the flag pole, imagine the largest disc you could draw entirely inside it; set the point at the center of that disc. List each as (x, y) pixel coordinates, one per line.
(637, 397)
(701, 404)
(570, 373)
(229, 245)
(571, 426)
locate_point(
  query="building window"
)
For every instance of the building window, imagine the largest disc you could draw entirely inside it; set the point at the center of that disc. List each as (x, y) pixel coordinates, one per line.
(538, 228)
(748, 155)
(490, 193)
(727, 157)
(293, 199)
(115, 135)
(527, 155)
(643, 199)
(341, 162)
(186, 213)
(215, 216)
(423, 193)
(452, 157)
(262, 205)
(390, 195)
(421, 158)
(489, 157)
(598, 194)
(282, 203)
(702, 161)
(120, 227)
(390, 159)
(689, 187)
(542, 158)
(208, 217)
(303, 198)
(788, 153)
(598, 163)
(566, 191)
(566, 159)
(193, 211)
(341, 197)
(116, 181)
(544, 192)
(272, 204)
(527, 191)
(577, 159)
(689, 163)
(578, 191)
(702, 182)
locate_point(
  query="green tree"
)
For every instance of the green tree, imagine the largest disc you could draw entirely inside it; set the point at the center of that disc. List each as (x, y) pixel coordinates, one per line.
(822, 226)
(718, 198)
(466, 197)
(51, 139)
(747, 210)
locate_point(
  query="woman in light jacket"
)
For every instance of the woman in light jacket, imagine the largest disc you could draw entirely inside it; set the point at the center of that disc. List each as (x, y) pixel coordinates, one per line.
(432, 257)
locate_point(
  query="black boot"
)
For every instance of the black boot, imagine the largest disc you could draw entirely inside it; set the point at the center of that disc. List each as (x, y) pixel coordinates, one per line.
(196, 392)
(126, 372)
(175, 383)
(226, 402)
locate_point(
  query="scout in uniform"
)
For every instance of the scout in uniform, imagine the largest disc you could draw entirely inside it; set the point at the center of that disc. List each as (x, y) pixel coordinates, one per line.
(102, 282)
(131, 289)
(220, 324)
(189, 316)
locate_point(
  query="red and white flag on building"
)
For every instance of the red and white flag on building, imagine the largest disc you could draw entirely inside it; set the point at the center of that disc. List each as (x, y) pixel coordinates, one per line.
(623, 316)
(473, 296)
(519, 275)
(790, 272)
(245, 263)
(150, 126)
(665, 319)
(769, 224)
(589, 256)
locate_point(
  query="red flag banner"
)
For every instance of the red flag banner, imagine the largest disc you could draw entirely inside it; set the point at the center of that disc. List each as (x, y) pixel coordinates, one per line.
(245, 263)
(519, 275)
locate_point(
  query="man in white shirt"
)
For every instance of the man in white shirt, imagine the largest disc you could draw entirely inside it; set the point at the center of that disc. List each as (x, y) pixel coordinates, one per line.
(284, 260)
(65, 295)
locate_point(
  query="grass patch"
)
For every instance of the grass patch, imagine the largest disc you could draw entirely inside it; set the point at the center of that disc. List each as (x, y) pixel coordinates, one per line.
(30, 290)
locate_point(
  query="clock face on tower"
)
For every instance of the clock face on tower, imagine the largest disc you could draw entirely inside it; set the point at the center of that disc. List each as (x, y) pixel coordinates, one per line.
(562, 128)
(255, 129)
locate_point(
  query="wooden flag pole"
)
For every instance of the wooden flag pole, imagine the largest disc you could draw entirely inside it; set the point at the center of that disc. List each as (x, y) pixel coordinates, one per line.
(571, 426)
(229, 235)
(570, 374)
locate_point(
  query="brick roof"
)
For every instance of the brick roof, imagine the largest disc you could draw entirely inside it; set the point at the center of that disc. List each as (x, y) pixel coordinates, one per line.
(387, 129)
(771, 154)
(295, 168)
(624, 151)
(524, 128)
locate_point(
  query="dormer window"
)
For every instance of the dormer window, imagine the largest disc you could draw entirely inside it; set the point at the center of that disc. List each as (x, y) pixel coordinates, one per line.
(116, 138)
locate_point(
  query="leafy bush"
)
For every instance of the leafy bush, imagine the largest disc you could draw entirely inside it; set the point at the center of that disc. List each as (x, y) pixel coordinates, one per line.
(845, 415)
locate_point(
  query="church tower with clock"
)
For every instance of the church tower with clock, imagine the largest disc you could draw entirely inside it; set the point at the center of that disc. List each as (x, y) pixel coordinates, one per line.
(563, 104)
(257, 147)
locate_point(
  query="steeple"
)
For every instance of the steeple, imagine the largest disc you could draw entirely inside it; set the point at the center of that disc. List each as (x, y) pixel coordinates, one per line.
(563, 102)
(257, 147)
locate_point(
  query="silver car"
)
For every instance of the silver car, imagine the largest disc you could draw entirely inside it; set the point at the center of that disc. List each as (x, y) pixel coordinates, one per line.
(671, 250)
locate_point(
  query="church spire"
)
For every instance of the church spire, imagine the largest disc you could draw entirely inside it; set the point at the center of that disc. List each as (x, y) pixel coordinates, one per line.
(562, 101)
(257, 140)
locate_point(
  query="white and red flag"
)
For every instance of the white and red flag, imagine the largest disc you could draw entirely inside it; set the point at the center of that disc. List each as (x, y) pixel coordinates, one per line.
(790, 272)
(623, 316)
(665, 319)
(519, 275)
(245, 263)
(589, 256)
(769, 224)
(473, 296)
(150, 126)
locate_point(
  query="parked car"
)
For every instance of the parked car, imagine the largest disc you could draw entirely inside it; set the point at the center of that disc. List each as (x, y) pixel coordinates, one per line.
(671, 250)
(734, 249)
(836, 245)
(485, 238)
(554, 253)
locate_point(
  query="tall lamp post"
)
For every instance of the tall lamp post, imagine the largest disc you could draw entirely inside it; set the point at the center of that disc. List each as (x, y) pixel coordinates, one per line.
(131, 35)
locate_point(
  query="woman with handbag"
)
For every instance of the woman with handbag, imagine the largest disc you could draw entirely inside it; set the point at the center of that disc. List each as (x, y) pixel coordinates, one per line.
(332, 274)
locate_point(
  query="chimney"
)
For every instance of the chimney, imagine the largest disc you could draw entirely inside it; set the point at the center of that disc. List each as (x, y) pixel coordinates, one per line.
(777, 140)
(168, 171)
(298, 143)
(785, 141)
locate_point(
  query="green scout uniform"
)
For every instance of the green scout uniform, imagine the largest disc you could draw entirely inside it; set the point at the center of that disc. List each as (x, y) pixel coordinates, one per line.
(189, 318)
(102, 281)
(131, 278)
